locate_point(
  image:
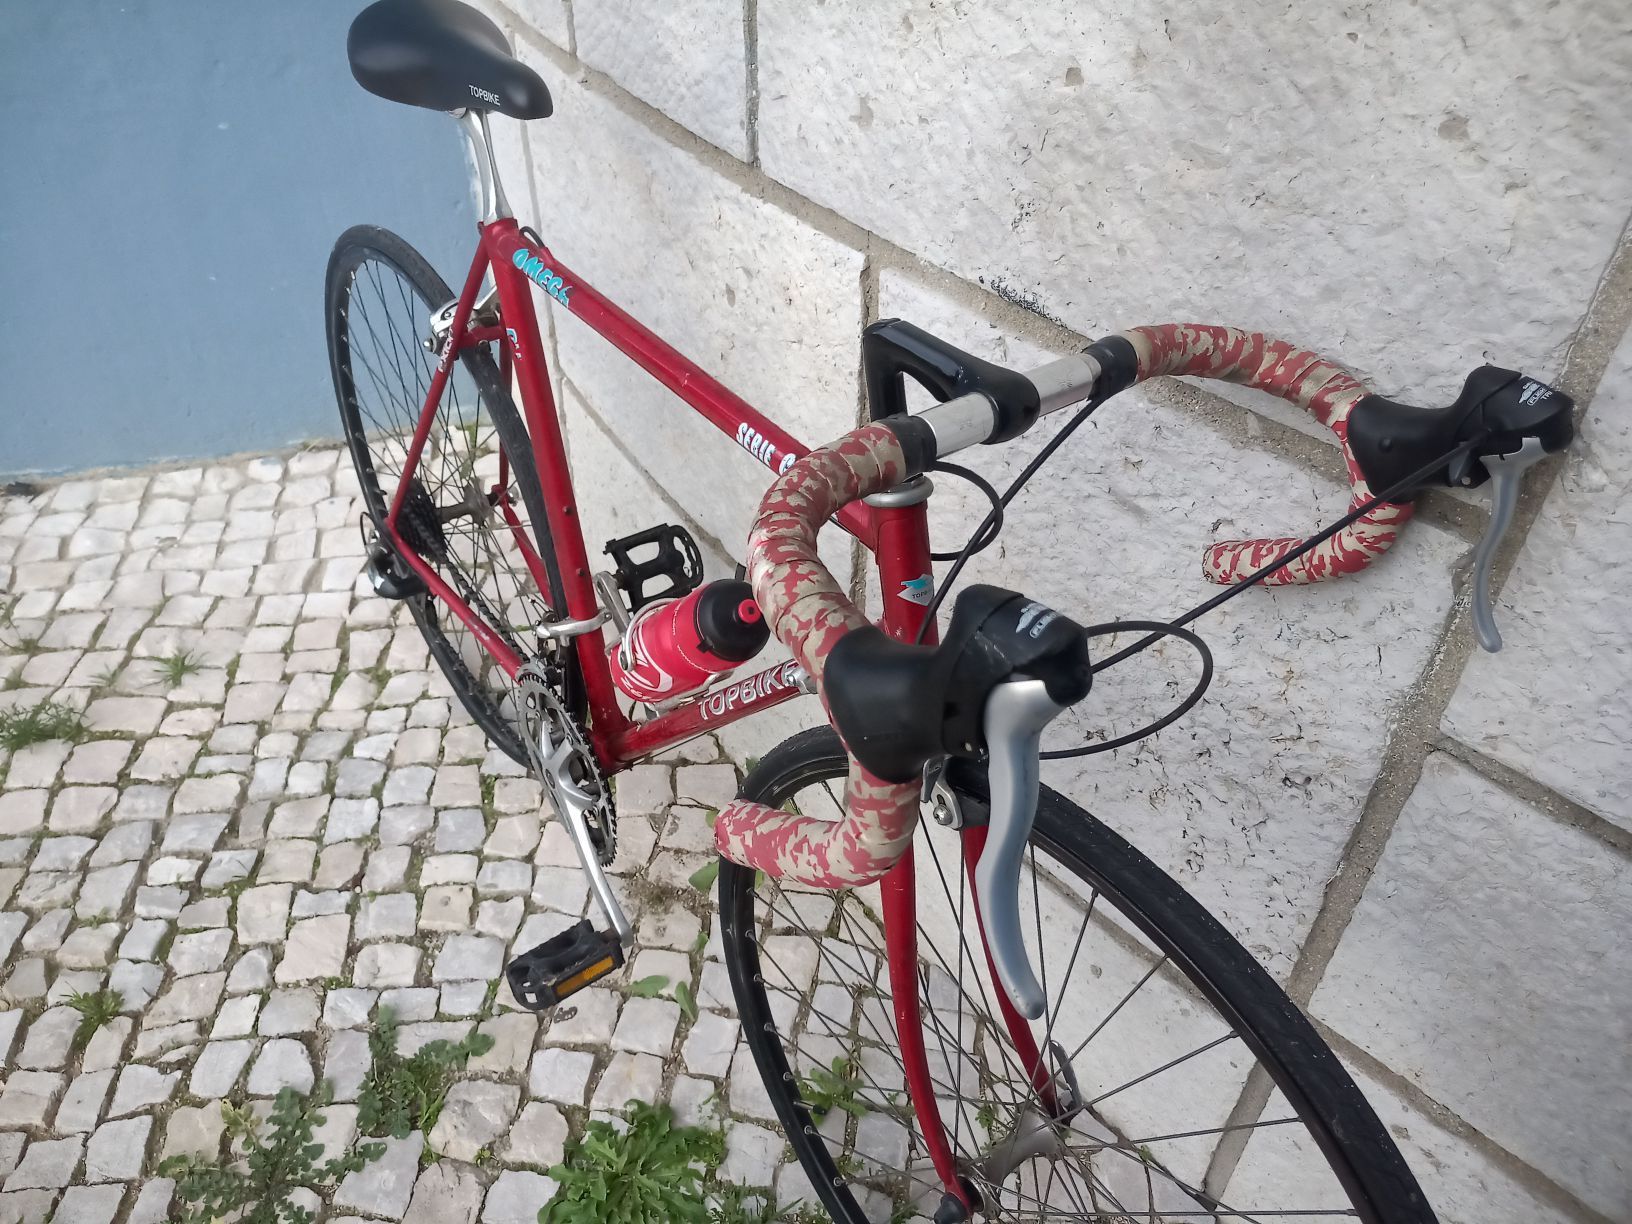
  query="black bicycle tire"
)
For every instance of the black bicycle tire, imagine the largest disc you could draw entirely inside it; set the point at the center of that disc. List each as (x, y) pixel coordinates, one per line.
(1356, 1144)
(399, 254)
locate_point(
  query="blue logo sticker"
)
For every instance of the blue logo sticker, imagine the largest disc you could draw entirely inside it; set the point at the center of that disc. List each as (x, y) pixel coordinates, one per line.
(532, 267)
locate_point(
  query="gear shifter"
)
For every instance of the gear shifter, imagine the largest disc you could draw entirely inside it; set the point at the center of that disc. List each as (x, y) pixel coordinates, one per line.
(1015, 715)
(1506, 477)
(1501, 425)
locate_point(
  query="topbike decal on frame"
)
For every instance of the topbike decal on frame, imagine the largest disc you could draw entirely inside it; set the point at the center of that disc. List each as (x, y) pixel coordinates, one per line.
(532, 267)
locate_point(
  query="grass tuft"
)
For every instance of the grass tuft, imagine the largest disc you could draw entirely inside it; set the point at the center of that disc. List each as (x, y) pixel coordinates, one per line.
(177, 667)
(96, 1008)
(40, 723)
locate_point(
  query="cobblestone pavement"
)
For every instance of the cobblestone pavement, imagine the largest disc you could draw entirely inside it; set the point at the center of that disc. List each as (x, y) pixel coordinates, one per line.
(260, 854)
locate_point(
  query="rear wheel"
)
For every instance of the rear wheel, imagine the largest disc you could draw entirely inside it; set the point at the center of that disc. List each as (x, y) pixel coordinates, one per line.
(1186, 1085)
(474, 512)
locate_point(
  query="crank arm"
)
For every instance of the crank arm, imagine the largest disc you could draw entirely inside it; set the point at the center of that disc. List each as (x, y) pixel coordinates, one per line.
(1014, 718)
(572, 804)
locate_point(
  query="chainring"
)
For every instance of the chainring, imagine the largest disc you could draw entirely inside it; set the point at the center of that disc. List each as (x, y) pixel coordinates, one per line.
(548, 725)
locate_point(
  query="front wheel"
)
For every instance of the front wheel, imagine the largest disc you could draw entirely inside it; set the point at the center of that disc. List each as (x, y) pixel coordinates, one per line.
(1179, 1082)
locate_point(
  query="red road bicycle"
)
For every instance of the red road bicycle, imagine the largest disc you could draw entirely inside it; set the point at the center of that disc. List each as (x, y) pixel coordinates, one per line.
(966, 997)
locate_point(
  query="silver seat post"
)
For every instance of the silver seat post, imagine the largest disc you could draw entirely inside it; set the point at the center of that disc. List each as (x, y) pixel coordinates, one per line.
(480, 142)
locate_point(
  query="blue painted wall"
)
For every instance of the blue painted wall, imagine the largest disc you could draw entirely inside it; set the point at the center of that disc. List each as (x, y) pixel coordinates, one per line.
(173, 174)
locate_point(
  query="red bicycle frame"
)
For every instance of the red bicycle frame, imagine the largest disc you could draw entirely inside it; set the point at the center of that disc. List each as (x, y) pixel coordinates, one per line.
(897, 537)
(618, 740)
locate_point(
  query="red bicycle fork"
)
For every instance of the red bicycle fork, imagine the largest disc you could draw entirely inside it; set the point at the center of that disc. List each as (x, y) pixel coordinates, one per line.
(903, 565)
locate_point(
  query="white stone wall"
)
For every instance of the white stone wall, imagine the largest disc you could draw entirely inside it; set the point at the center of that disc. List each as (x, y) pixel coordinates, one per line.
(1431, 848)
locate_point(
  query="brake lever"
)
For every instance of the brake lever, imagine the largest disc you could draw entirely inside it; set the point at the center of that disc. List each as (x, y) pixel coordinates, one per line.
(1506, 478)
(1013, 720)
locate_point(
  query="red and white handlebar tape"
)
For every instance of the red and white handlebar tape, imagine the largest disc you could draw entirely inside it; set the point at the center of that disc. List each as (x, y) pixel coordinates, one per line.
(1328, 394)
(806, 610)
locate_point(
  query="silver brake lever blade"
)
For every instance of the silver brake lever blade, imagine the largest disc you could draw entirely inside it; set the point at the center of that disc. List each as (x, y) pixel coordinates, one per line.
(1506, 478)
(1014, 718)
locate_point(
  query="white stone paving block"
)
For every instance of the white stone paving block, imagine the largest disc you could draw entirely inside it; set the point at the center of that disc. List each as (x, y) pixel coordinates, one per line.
(1556, 703)
(1488, 963)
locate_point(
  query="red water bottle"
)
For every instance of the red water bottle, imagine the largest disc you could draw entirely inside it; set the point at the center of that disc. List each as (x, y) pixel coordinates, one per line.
(676, 646)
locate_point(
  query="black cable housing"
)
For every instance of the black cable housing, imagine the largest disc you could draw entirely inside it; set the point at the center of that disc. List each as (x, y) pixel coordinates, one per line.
(987, 532)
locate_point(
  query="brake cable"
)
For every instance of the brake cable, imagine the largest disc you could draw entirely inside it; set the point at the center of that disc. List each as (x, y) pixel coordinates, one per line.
(987, 532)
(995, 514)
(1155, 631)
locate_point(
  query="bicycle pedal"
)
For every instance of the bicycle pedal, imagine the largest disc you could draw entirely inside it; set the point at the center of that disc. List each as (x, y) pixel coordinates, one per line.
(674, 566)
(563, 965)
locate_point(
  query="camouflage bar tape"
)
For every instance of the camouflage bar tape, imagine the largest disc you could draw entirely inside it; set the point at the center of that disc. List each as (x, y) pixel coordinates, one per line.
(807, 610)
(809, 613)
(1201, 350)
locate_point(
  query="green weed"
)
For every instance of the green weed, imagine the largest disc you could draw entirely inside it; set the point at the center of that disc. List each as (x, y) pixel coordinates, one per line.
(402, 1095)
(832, 1087)
(177, 667)
(986, 1115)
(47, 720)
(688, 1004)
(649, 987)
(95, 1009)
(655, 1170)
(703, 878)
(255, 1190)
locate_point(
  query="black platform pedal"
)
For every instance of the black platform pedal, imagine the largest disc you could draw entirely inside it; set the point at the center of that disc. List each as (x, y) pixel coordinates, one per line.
(669, 565)
(563, 965)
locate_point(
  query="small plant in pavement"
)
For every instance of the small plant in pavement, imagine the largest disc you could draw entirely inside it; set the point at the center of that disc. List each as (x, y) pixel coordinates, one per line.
(652, 1170)
(402, 1095)
(46, 720)
(256, 1189)
(177, 667)
(832, 1087)
(96, 1008)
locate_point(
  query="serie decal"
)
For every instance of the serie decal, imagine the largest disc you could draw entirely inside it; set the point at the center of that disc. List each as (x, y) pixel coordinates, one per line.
(761, 448)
